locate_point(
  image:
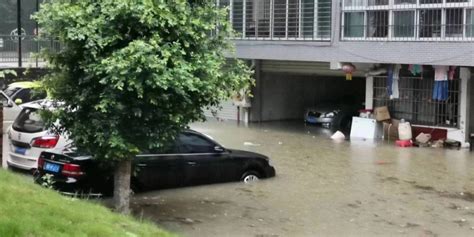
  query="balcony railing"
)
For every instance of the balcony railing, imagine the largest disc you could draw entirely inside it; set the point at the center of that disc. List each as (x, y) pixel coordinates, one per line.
(11, 55)
(280, 19)
(408, 20)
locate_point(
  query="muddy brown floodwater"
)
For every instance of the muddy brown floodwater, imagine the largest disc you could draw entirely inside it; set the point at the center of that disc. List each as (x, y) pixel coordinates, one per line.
(323, 188)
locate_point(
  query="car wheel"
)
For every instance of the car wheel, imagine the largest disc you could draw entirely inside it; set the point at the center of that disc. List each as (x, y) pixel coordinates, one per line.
(250, 177)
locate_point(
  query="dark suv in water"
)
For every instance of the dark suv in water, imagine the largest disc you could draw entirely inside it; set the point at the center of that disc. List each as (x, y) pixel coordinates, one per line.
(192, 159)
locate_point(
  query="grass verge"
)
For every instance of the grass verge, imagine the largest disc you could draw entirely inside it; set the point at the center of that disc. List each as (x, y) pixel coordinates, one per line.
(26, 209)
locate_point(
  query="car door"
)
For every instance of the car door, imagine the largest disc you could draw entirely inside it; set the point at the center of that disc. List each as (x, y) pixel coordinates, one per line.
(158, 170)
(10, 111)
(202, 161)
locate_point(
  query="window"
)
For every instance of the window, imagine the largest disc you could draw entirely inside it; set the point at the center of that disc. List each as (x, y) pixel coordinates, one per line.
(435, 20)
(404, 23)
(454, 22)
(279, 18)
(237, 15)
(378, 2)
(170, 148)
(377, 23)
(10, 91)
(354, 3)
(293, 18)
(28, 121)
(405, 2)
(470, 23)
(431, 1)
(354, 24)
(430, 23)
(257, 22)
(192, 143)
(307, 18)
(324, 18)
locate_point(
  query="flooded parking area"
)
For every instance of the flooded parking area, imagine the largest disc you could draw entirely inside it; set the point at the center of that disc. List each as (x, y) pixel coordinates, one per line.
(323, 188)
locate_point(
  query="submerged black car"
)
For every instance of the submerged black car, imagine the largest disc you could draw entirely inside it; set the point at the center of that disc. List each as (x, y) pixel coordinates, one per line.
(192, 159)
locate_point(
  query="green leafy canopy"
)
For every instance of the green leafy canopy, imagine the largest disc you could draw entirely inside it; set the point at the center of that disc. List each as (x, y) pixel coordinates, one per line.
(133, 73)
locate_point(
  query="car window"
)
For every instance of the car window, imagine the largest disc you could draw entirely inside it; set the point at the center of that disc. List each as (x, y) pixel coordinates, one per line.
(28, 121)
(23, 94)
(192, 143)
(37, 94)
(27, 95)
(170, 148)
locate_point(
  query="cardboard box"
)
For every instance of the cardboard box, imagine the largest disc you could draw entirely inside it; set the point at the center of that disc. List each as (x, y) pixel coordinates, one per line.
(390, 130)
(381, 113)
(423, 138)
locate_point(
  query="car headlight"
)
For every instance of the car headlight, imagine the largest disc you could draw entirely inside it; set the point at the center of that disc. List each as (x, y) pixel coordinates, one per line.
(270, 162)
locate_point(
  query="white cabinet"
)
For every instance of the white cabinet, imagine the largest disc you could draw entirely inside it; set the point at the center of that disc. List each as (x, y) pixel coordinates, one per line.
(366, 128)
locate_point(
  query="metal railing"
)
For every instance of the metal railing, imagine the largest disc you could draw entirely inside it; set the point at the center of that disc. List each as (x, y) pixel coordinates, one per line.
(416, 103)
(280, 19)
(11, 53)
(408, 20)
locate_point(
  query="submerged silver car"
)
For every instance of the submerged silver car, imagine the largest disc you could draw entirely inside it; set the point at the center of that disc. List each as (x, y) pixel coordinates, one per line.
(333, 116)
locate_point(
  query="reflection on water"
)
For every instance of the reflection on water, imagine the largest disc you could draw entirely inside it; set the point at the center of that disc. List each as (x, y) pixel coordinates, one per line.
(323, 188)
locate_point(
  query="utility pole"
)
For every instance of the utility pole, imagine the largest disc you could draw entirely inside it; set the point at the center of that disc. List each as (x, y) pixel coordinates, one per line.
(18, 18)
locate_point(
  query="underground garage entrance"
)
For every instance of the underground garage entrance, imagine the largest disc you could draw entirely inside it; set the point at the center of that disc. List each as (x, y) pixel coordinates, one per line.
(322, 99)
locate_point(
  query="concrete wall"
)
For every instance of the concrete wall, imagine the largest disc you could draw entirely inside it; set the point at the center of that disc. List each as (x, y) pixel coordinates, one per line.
(285, 96)
(426, 53)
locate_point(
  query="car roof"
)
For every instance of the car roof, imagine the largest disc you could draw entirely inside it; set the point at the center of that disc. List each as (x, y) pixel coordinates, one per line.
(25, 84)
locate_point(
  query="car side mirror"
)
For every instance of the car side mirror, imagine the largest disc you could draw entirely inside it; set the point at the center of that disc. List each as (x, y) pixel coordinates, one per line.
(18, 101)
(219, 149)
(9, 104)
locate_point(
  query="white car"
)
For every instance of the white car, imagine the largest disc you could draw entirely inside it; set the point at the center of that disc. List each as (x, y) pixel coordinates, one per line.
(27, 137)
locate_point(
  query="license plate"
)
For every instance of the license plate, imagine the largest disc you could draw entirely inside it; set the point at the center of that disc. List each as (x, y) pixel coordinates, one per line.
(51, 167)
(20, 150)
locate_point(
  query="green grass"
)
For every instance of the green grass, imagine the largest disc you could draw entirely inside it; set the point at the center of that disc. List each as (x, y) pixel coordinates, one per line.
(26, 209)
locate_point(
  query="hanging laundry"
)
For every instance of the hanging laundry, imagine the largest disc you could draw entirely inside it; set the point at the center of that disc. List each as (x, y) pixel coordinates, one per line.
(389, 79)
(441, 90)
(441, 73)
(451, 72)
(395, 90)
(415, 69)
(395, 80)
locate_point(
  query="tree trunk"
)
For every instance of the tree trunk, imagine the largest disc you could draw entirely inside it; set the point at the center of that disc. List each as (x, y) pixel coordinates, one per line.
(122, 176)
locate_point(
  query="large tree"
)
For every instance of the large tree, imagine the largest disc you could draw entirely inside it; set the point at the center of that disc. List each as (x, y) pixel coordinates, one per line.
(131, 74)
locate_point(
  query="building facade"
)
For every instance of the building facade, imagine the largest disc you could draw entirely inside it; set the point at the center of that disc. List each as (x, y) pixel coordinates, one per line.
(299, 47)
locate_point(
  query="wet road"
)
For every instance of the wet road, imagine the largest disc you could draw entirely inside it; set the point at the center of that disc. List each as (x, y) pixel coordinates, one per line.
(324, 188)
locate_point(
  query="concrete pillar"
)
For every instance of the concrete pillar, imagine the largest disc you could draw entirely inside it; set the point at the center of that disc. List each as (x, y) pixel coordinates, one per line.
(255, 112)
(369, 92)
(464, 105)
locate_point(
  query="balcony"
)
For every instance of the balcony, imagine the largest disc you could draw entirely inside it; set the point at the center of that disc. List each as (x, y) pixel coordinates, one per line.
(308, 20)
(407, 20)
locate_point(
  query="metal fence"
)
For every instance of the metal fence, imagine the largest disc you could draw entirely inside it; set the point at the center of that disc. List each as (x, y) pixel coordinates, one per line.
(416, 104)
(280, 19)
(408, 20)
(17, 50)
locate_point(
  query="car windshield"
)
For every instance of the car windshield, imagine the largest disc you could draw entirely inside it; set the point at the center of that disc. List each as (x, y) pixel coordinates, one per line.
(29, 121)
(10, 91)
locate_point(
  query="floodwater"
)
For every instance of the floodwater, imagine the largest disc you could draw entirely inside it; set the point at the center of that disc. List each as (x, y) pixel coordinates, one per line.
(323, 188)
